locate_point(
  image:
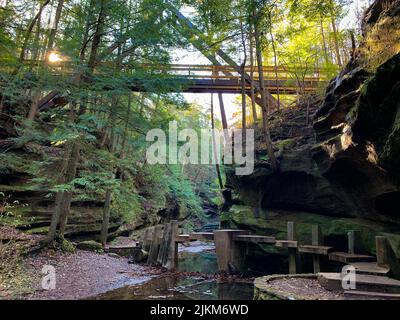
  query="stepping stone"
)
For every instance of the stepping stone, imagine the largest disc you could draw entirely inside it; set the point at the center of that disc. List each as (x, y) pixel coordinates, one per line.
(255, 239)
(349, 258)
(202, 236)
(333, 282)
(367, 295)
(370, 268)
(320, 250)
(182, 238)
(286, 244)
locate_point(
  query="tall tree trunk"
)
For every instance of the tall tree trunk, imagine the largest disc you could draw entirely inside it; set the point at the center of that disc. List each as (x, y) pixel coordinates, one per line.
(275, 59)
(252, 84)
(55, 218)
(108, 197)
(53, 32)
(29, 31)
(97, 36)
(70, 176)
(106, 218)
(223, 117)
(35, 55)
(243, 83)
(215, 154)
(336, 42)
(267, 134)
(353, 45)
(36, 43)
(324, 42)
(222, 109)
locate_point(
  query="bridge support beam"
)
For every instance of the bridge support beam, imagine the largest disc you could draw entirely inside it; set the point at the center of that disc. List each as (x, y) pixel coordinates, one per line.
(230, 253)
(291, 236)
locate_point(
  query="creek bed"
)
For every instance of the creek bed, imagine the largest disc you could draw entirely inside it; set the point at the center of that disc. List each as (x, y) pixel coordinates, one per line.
(198, 258)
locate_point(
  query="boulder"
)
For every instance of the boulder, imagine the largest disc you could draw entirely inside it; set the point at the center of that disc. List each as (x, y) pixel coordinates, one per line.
(90, 246)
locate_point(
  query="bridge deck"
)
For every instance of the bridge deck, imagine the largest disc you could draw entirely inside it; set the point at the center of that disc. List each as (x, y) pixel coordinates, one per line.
(204, 78)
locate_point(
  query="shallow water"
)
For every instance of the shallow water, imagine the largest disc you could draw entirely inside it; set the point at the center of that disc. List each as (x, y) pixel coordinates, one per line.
(174, 288)
(198, 258)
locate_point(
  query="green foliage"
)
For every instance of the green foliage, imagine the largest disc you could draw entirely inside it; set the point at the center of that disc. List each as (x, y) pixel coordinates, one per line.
(10, 210)
(91, 137)
(182, 190)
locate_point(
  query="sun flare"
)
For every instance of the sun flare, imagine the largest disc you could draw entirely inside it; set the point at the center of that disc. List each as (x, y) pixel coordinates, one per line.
(54, 57)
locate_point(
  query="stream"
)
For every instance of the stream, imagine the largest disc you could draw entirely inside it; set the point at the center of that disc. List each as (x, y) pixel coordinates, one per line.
(199, 257)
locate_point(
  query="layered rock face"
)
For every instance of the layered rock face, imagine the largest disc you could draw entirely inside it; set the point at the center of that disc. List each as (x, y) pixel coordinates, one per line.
(343, 172)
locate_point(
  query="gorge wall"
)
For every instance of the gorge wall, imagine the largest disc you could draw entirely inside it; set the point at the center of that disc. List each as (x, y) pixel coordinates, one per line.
(342, 171)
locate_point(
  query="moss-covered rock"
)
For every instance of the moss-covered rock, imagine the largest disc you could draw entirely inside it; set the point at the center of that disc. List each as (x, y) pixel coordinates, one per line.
(378, 103)
(90, 246)
(390, 155)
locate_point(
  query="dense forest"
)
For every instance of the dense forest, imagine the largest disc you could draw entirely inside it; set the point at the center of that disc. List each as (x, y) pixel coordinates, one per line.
(82, 82)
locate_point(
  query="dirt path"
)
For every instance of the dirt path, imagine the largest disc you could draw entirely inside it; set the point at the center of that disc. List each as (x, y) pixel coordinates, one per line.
(85, 274)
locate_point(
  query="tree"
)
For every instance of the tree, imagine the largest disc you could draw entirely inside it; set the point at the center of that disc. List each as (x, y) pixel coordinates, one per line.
(256, 18)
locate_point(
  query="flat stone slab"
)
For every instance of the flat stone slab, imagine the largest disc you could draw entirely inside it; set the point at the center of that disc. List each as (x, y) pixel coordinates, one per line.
(364, 282)
(370, 268)
(122, 247)
(286, 244)
(202, 236)
(292, 287)
(320, 250)
(349, 258)
(183, 238)
(123, 250)
(255, 239)
(367, 295)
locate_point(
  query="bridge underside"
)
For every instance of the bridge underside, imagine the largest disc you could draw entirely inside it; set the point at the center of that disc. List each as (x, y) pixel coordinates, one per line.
(227, 86)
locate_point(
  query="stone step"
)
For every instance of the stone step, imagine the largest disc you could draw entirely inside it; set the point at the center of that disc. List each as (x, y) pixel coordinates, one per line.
(286, 244)
(202, 236)
(320, 250)
(349, 258)
(370, 268)
(367, 295)
(123, 250)
(371, 283)
(255, 239)
(183, 238)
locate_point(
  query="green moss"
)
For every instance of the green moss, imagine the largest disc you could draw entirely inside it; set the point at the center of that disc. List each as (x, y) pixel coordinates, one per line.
(391, 151)
(378, 102)
(285, 144)
(66, 246)
(39, 230)
(13, 162)
(15, 188)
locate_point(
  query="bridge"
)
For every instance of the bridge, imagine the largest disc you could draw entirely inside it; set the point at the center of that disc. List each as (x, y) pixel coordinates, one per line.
(227, 79)
(205, 78)
(224, 79)
(220, 77)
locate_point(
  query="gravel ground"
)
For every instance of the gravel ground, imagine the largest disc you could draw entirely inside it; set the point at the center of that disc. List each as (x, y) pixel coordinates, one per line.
(85, 274)
(303, 287)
